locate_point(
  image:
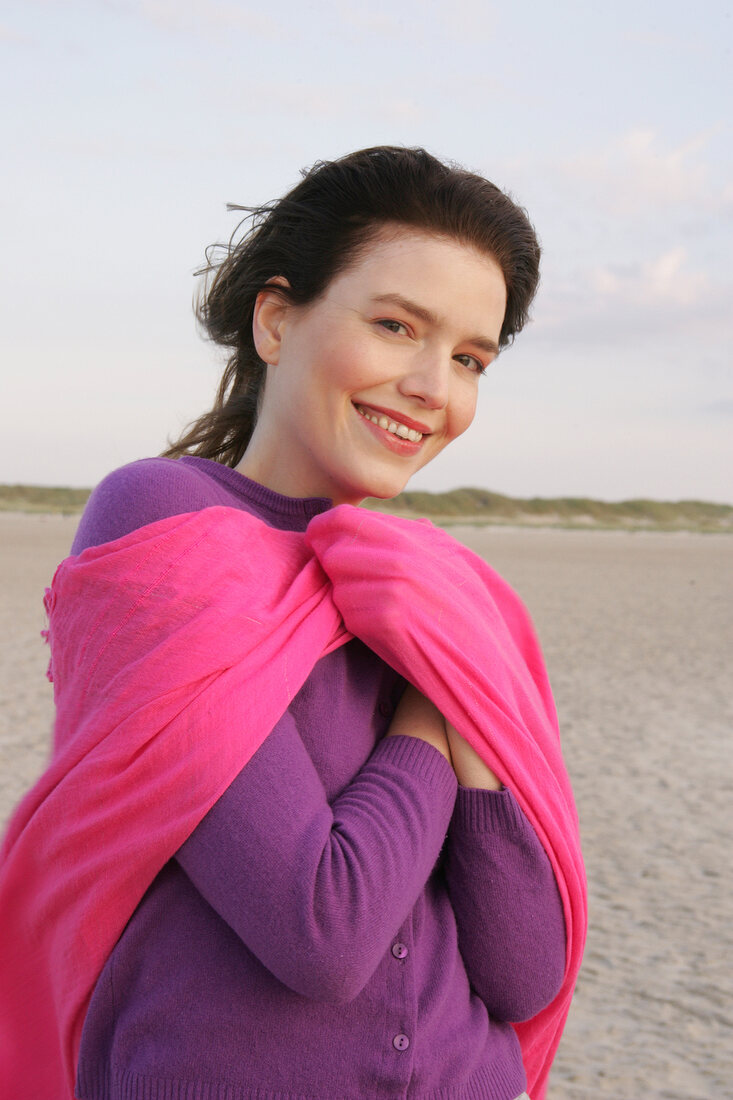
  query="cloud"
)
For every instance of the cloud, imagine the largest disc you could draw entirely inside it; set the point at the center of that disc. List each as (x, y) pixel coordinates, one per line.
(197, 16)
(384, 17)
(636, 238)
(370, 21)
(665, 279)
(13, 36)
(635, 170)
(665, 303)
(479, 16)
(724, 407)
(664, 41)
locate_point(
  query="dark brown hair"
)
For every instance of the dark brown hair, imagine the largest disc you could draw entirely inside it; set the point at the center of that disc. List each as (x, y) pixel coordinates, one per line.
(314, 232)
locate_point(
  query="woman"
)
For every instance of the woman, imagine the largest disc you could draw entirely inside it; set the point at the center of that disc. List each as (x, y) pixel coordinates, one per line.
(363, 909)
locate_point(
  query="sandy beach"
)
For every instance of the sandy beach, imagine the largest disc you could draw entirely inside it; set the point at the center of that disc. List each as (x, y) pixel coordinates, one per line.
(638, 634)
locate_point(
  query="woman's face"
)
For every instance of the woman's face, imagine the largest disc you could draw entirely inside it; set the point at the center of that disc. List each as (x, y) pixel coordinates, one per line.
(372, 380)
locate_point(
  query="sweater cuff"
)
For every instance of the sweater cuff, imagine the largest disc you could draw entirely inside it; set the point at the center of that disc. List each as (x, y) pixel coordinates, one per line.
(486, 811)
(419, 758)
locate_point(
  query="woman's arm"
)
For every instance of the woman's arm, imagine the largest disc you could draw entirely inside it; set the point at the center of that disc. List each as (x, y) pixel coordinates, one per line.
(469, 767)
(511, 927)
(417, 717)
(317, 891)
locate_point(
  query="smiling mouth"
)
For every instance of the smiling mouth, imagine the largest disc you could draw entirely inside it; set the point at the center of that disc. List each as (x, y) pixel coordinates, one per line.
(393, 426)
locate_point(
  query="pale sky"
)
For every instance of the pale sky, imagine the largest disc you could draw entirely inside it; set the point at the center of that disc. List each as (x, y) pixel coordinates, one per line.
(127, 125)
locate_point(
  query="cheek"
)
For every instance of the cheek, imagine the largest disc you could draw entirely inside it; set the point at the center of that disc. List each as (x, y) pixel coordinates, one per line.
(463, 411)
(344, 367)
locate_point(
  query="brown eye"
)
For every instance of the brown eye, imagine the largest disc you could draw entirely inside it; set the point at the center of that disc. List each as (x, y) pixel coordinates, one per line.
(392, 326)
(472, 363)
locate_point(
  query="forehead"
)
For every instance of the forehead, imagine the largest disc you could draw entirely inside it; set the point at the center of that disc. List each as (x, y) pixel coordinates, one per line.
(401, 244)
(445, 275)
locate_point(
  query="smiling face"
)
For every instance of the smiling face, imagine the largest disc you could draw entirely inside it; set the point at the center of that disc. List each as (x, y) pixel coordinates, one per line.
(372, 380)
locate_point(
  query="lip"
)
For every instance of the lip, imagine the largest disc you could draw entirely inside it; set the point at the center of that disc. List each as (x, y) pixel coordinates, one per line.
(398, 417)
(405, 448)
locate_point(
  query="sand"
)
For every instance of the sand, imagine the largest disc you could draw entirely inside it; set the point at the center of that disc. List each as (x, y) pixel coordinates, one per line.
(638, 634)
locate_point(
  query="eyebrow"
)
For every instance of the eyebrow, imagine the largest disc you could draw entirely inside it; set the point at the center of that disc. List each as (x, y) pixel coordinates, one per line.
(431, 318)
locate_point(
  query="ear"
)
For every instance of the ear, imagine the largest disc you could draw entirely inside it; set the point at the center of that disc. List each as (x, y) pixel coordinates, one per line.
(269, 314)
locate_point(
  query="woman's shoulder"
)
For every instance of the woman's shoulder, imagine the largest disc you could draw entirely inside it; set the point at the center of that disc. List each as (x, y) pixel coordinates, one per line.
(140, 493)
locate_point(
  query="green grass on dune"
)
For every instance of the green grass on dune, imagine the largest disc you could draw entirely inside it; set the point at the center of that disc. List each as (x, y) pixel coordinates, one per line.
(466, 505)
(41, 498)
(480, 505)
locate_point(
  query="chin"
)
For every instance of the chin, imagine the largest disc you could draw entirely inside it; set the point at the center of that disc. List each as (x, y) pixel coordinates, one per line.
(383, 491)
(375, 483)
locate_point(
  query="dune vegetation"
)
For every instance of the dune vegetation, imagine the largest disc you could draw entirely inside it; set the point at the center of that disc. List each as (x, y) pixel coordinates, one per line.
(473, 506)
(42, 498)
(482, 506)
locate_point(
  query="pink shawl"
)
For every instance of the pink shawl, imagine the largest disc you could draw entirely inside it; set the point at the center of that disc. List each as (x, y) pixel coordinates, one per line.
(160, 642)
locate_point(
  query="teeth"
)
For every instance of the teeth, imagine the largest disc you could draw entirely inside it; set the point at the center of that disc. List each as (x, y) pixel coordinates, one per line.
(391, 425)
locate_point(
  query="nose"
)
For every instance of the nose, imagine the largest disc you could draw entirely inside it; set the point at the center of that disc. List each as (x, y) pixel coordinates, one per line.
(427, 380)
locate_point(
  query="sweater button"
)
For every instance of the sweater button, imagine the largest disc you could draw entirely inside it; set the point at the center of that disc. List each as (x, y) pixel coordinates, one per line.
(399, 950)
(400, 1042)
(385, 709)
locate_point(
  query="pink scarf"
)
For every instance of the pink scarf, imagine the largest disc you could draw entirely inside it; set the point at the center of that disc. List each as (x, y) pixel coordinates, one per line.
(189, 623)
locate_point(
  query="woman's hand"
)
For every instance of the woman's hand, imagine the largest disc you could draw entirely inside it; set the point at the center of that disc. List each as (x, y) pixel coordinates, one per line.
(469, 767)
(416, 716)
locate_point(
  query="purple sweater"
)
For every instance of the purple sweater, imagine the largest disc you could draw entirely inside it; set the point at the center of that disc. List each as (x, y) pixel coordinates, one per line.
(346, 921)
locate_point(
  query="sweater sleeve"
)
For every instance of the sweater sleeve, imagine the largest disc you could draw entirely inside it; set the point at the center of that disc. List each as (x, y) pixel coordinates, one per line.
(511, 929)
(316, 890)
